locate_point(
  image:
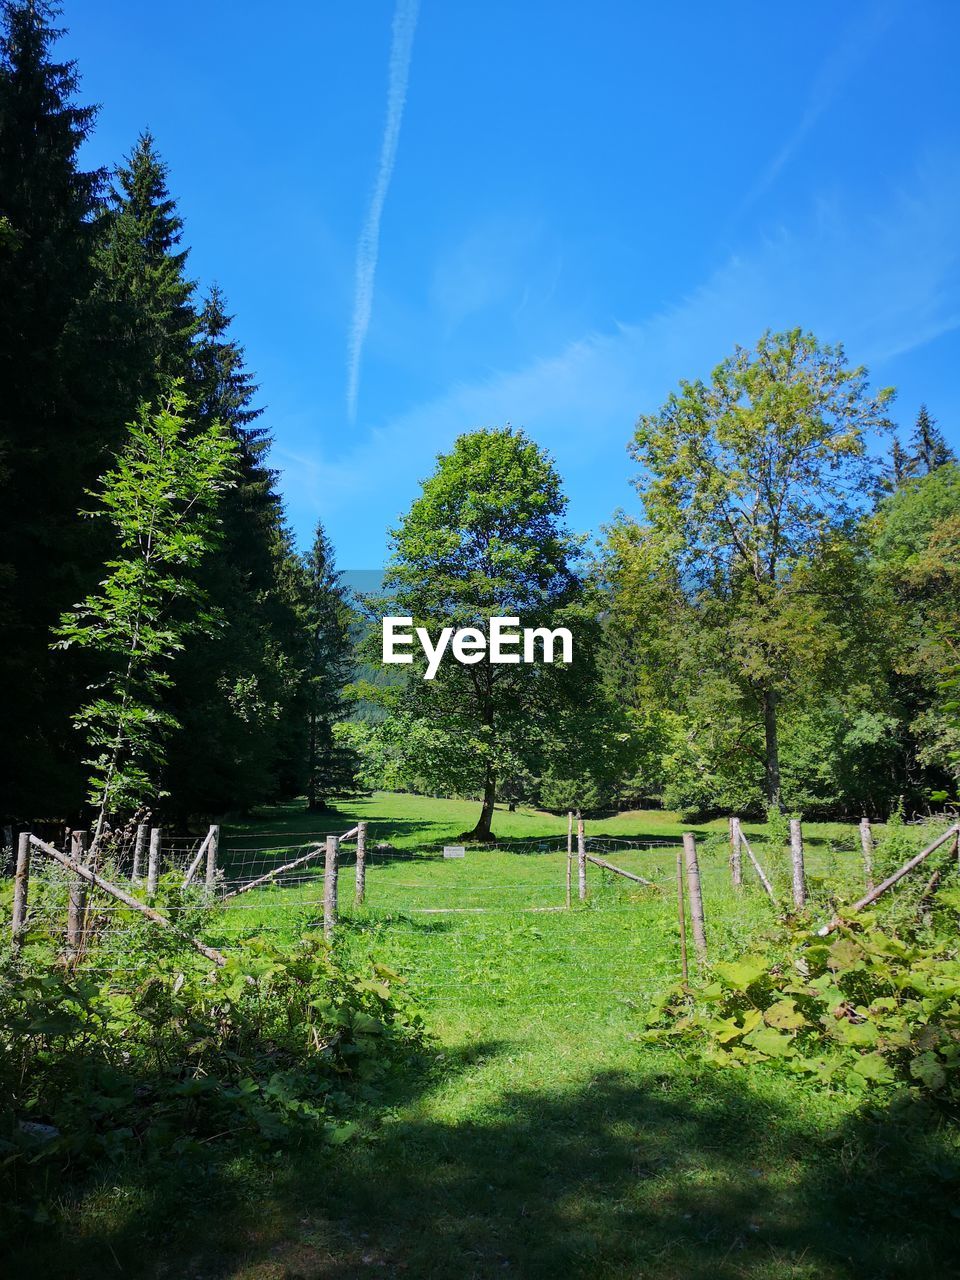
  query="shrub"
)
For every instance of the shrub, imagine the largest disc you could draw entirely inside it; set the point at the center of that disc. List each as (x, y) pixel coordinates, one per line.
(166, 1053)
(865, 1009)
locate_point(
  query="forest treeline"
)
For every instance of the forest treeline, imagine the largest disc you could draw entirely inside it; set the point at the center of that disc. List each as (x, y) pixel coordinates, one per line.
(778, 627)
(775, 626)
(101, 322)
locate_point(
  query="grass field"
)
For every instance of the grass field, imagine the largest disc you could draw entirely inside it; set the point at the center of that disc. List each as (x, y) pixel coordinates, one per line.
(536, 1137)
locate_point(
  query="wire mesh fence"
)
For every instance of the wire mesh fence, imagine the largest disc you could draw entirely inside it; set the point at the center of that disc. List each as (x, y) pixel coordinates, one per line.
(275, 884)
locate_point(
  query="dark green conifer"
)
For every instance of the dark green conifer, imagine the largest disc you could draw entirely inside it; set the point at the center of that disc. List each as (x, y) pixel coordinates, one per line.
(239, 690)
(332, 766)
(144, 288)
(929, 448)
(52, 439)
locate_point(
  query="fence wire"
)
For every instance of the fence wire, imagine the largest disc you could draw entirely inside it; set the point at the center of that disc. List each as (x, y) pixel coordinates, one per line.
(413, 896)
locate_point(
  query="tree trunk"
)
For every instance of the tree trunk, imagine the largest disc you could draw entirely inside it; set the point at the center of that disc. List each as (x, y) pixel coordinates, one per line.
(482, 830)
(772, 752)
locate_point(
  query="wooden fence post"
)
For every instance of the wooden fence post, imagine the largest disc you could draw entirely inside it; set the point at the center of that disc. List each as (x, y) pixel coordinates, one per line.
(696, 897)
(736, 855)
(330, 886)
(569, 856)
(361, 863)
(581, 859)
(139, 851)
(153, 863)
(21, 886)
(866, 846)
(682, 919)
(75, 901)
(796, 859)
(213, 848)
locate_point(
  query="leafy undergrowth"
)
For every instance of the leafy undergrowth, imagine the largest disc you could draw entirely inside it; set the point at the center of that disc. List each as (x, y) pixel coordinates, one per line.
(873, 1007)
(169, 1057)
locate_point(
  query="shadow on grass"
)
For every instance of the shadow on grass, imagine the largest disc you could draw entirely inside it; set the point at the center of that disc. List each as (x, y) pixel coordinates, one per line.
(663, 1175)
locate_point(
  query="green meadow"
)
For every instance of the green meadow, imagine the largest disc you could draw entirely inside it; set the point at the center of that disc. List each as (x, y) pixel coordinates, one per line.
(535, 1135)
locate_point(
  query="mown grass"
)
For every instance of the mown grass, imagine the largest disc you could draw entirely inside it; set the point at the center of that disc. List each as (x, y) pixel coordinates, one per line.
(535, 1136)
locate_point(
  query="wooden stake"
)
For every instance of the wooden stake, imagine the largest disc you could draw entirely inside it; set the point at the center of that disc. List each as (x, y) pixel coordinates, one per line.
(736, 859)
(893, 879)
(696, 897)
(682, 918)
(139, 852)
(78, 847)
(213, 848)
(866, 845)
(361, 863)
(796, 859)
(569, 857)
(21, 886)
(198, 857)
(757, 867)
(608, 866)
(581, 860)
(153, 864)
(330, 886)
(128, 900)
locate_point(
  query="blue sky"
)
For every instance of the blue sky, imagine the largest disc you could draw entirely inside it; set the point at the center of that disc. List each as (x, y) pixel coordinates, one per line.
(588, 202)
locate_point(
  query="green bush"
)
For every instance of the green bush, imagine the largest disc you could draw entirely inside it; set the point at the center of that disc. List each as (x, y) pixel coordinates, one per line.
(165, 1053)
(864, 1009)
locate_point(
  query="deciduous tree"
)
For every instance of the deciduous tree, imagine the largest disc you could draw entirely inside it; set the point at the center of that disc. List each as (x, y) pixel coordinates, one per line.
(751, 484)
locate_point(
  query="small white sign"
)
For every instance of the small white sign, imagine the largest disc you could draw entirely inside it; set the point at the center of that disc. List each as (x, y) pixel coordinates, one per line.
(454, 851)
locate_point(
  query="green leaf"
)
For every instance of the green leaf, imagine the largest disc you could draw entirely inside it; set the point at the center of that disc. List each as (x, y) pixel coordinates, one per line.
(927, 1069)
(784, 1016)
(773, 1043)
(874, 1066)
(741, 974)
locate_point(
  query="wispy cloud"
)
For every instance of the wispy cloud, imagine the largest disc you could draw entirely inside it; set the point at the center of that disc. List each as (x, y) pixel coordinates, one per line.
(842, 62)
(882, 275)
(401, 47)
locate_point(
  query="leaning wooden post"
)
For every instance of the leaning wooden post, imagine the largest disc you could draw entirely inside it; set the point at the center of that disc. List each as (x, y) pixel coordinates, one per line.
(213, 847)
(869, 898)
(75, 902)
(90, 877)
(767, 886)
(581, 860)
(569, 856)
(21, 886)
(796, 859)
(330, 886)
(682, 919)
(361, 863)
(139, 852)
(153, 864)
(866, 845)
(696, 897)
(736, 854)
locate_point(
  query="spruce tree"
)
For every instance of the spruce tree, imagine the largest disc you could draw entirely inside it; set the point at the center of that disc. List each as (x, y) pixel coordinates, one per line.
(332, 766)
(239, 690)
(144, 292)
(53, 440)
(929, 449)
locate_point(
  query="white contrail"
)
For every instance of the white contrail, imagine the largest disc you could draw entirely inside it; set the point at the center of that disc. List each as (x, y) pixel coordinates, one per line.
(401, 46)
